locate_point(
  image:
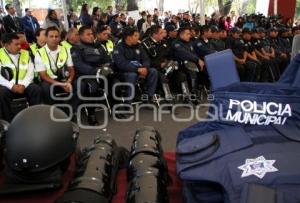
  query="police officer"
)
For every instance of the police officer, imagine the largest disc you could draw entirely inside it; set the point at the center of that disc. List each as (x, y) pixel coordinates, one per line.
(269, 71)
(202, 45)
(189, 63)
(247, 71)
(216, 43)
(281, 56)
(88, 60)
(103, 43)
(186, 21)
(157, 51)
(40, 42)
(55, 67)
(253, 64)
(116, 26)
(72, 38)
(16, 76)
(133, 63)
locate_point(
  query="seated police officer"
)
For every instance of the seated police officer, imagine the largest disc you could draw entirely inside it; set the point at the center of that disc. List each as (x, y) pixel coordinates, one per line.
(40, 39)
(217, 43)
(157, 51)
(55, 67)
(72, 38)
(281, 56)
(104, 44)
(245, 68)
(189, 63)
(269, 71)
(133, 63)
(16, 76)
(88, 60)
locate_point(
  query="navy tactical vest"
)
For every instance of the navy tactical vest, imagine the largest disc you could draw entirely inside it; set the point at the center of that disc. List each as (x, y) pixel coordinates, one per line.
(248, 149)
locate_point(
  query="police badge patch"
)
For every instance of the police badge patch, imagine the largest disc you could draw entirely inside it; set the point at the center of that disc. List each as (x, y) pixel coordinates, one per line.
(257, 167)
(137, 52)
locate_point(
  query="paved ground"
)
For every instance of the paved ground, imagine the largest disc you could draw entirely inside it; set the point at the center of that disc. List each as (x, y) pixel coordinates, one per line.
(124, 131)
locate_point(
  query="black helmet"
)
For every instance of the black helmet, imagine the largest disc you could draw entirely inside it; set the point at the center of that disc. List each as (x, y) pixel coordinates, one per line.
(7, 73)
(36, 140)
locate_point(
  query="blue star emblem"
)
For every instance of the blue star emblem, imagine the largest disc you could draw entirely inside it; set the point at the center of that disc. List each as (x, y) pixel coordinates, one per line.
(257, 167)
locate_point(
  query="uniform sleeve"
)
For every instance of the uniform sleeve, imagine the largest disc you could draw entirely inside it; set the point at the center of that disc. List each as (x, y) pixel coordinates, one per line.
(182, 54)
(81, 67)
(69, 60)
(121, 62)
(38, 63)
(145, 58)
(5, 83)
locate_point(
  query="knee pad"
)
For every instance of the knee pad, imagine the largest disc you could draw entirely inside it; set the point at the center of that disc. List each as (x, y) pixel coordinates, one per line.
(147, 172)
(96, 172)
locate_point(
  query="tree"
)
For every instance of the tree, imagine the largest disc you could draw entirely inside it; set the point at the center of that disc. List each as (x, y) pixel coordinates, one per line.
(17, 5)
(132, 5)
(160, 5)
(224, 6)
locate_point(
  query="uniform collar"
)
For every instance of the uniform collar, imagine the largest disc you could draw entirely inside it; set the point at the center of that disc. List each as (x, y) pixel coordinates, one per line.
(48, 50)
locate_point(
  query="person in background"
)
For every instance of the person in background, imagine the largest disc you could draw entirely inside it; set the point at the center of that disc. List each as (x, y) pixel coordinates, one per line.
(30, 24)
(23, 41)
(147, 24)
(96, 16)
(52, 20)
(85, 17)
(11, 22)
(73, 20)
(141, 21)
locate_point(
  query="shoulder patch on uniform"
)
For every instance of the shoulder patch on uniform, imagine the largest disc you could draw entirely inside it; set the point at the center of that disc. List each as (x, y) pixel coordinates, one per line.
(116, 51)
(177, 45)
(199, 44)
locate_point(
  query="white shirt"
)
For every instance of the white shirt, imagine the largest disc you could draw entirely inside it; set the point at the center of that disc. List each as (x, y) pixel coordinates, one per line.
(146, 26)
(28, 78)
(40, 66)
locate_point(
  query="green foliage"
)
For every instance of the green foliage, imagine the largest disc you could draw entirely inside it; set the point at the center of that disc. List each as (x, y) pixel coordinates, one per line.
(297, 13)
(76, 4)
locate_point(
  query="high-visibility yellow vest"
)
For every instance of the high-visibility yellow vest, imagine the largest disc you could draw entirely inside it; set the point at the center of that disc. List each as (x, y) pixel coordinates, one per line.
(109, 46)
(66, 44)
(34, 48)
(20, 71)
(60, 62)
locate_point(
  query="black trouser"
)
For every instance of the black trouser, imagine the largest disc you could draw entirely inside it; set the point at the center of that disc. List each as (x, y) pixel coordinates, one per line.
(269, 71)
(46, 93)
(32, 93)
(90, 88)
(250, 71)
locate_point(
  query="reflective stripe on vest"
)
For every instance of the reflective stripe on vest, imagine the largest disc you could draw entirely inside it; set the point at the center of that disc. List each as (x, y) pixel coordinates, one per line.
(19, 72)
(66, 44)
(60, 61)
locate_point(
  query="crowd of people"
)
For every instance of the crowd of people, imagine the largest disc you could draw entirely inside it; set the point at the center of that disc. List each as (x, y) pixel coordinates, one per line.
(164, 55)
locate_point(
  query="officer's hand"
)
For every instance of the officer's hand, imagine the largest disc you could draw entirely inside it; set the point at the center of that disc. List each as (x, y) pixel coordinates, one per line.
(163, 64)
(15, 88)
(242, 61)
(201, 64)
(67, 87)
(143, 72)
(21, 89)
(283, 55)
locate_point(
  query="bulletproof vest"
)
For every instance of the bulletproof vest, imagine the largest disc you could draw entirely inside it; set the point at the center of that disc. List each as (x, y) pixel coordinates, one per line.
(253, 139)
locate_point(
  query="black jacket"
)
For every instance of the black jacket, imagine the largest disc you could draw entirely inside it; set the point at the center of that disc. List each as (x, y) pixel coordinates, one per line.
(12, 26)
